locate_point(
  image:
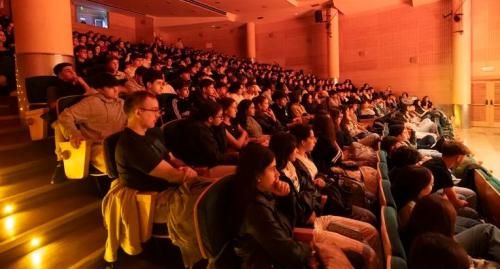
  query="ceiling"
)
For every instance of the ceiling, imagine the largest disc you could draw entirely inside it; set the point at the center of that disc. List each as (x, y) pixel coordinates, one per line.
(240, 11)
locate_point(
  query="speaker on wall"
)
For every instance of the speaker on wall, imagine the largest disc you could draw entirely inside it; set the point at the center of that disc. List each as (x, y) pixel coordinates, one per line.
(318, 16)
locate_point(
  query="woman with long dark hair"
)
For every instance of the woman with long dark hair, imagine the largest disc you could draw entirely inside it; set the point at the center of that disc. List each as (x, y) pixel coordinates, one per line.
(236, 136)
(266, 235)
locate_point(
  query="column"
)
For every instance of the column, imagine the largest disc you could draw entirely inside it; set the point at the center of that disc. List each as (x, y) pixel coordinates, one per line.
(333, 46)
(251, 48)
(43, 38)
(461, 60)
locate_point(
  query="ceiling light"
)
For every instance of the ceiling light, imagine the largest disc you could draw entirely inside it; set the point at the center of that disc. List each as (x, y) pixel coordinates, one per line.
(488, 68)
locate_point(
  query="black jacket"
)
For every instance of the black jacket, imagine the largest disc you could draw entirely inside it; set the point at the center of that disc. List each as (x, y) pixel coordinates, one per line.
(325, 155)
(266, 238)
(305, 202)
(199, 146)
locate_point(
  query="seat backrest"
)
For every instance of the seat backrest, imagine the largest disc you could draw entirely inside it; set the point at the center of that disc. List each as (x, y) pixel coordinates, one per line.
(390, 233)
(172, 133)
(109, 146)
(215, 228)
(67, 101)
(36, 88)
(386, 185)
(489, 196)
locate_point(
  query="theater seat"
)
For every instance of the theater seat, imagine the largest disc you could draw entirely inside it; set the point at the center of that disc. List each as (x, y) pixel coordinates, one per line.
(386, 185)
(109, 145)
(393, 247)
(36, 90)
(489, 196)
(215, 227)
(172, 133)
(67, 101)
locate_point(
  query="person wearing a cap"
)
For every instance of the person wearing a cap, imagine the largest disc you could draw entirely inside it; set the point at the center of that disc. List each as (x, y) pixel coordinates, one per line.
(97, 116)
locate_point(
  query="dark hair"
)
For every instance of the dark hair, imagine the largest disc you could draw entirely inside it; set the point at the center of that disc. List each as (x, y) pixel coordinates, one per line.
(301, 132)
(404, 156)
(205, 110)
(226, 102)
(241, 115)
(102, 80)
(436, 251)
(253, 160)
(296, 96)
(396, 129)
(141, 71)
(432, 213)
(257, 100)
(387, 143)
(136, 99)
(408, 182)
(109, 59)
(80, 48)
(204, 83)
(151, 76)
(454, 148)
(282, 144)
(59, 67)
(235, 87)
(324, 128)
(278, 95)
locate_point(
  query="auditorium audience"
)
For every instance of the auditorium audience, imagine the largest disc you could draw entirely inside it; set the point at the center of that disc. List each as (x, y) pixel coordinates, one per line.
(228, 104)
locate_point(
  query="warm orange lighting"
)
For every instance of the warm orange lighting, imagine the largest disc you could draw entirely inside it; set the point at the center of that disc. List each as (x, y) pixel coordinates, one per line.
(36, 257)
(35, 242)
(8, 209)
(9, 225)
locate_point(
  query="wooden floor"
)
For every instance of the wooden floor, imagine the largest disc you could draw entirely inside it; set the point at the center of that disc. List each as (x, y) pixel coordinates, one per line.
(484, 144)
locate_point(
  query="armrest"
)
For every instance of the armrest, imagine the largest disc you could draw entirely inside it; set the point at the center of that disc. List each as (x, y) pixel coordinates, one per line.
(303, 234)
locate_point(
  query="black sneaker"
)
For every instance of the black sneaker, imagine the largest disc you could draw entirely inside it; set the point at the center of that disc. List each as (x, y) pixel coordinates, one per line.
(58, 176)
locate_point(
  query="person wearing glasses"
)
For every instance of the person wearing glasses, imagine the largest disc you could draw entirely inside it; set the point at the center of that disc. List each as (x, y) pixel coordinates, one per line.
(95, 117)
(145, 164)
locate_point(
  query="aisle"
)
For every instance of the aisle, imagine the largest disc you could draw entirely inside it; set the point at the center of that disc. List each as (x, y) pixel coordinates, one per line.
(484, 144)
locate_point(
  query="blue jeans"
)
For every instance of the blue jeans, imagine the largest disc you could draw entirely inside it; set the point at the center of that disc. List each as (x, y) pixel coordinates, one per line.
(481, 241)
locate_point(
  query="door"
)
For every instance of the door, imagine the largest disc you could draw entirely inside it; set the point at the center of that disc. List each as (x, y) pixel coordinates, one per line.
(485, 103)
(495, 105)
(479, 104)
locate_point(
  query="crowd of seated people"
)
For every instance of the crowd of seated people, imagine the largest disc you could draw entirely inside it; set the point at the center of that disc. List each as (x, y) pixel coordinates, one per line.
(296, 142)
(7, 66)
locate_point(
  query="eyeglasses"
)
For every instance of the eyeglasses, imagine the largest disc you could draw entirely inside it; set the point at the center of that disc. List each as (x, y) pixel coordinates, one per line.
(154, 110)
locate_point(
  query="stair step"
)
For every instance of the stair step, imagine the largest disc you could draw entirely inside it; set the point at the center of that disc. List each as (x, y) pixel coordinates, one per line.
(29, 152)
(28, 221)
(75, 240)
(10, 120)
(8, 105)
(28, 181)
(16, 137)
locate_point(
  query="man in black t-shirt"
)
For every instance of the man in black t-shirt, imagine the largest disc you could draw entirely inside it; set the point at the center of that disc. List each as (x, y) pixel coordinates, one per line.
(141, 157)
(453, 154)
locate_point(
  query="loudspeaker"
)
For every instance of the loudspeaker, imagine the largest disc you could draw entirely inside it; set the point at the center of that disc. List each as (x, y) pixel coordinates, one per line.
(318, 16)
